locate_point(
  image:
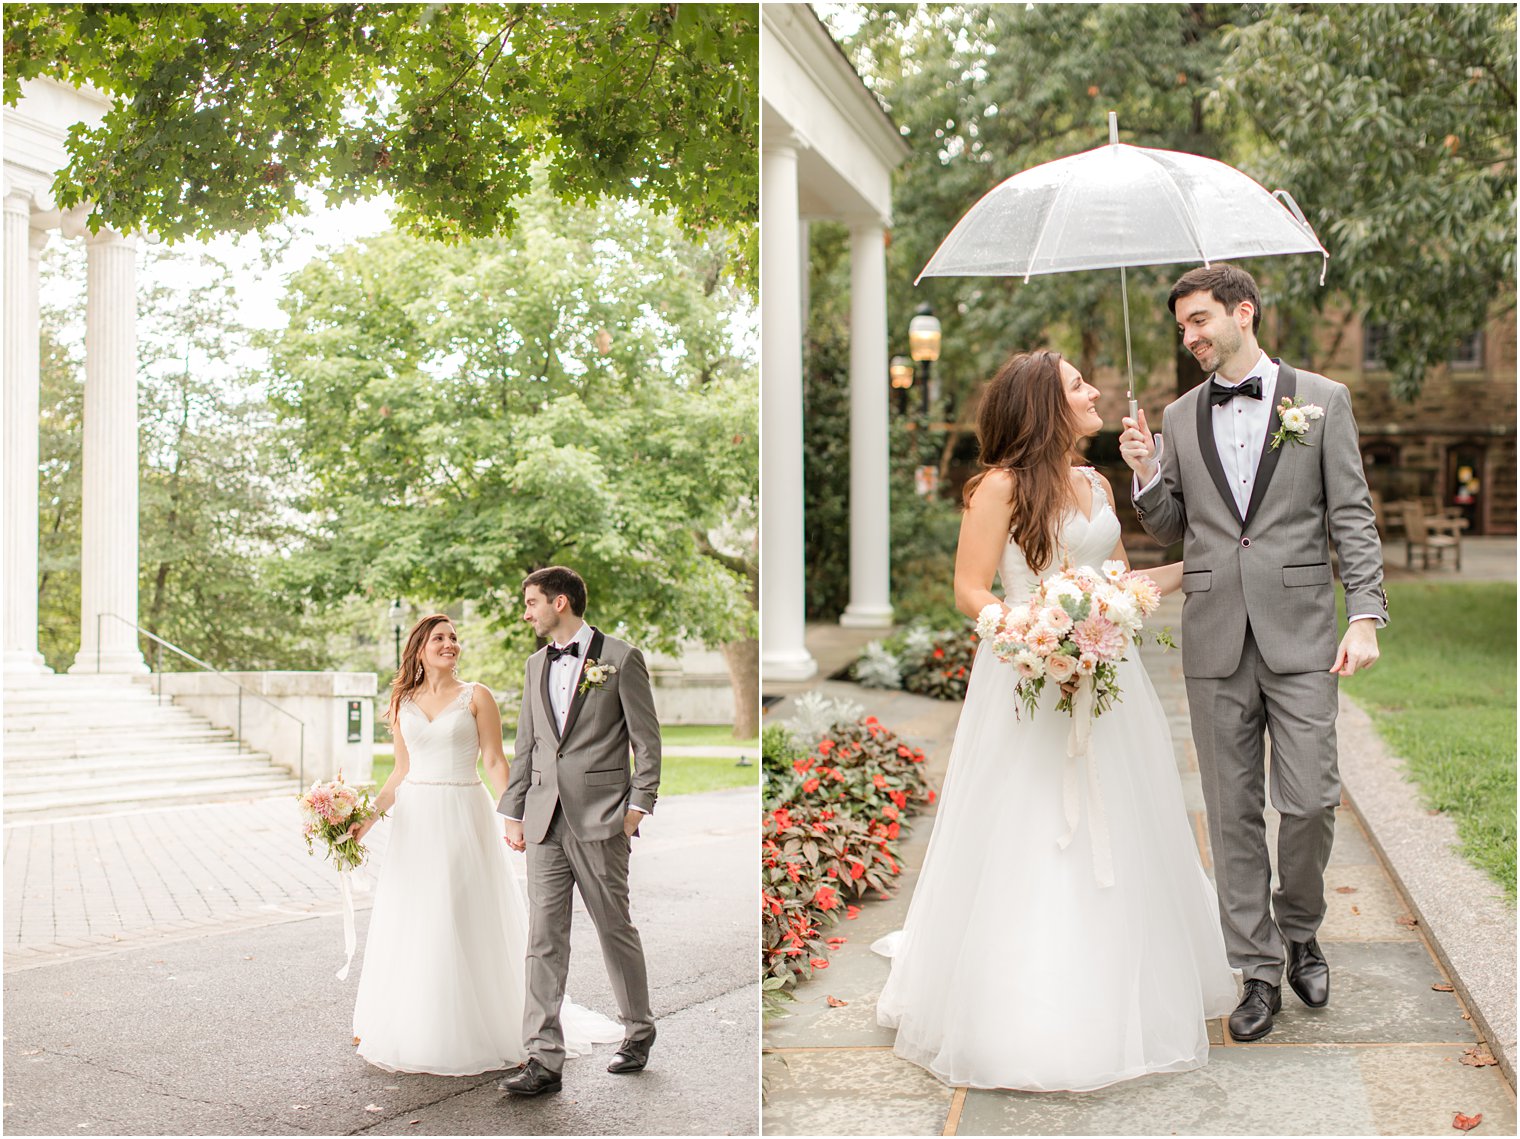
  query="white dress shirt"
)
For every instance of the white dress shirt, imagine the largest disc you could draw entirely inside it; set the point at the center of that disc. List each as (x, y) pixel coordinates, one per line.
(565, 673)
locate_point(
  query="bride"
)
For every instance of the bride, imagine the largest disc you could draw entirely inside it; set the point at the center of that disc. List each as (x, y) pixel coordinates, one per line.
(1017, 966)
(443, 981)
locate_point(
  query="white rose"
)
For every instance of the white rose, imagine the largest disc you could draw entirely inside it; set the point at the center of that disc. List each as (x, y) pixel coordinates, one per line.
(594, 674)
(1029, 664)
(1294, 420)
(1123, 611)
(1060, 667)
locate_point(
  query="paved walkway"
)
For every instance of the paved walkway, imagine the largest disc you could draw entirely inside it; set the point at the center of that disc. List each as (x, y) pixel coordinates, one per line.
(171, 972)
(1383, 1058)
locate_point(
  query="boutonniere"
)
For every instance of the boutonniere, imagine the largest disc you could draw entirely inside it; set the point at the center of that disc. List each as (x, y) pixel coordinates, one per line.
(595, 676)
(1295, 416)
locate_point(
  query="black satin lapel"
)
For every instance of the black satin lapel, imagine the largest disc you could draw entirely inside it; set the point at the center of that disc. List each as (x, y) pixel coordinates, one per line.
(1210, 449)
(543, 677)
(593, 652)
(1287, 388)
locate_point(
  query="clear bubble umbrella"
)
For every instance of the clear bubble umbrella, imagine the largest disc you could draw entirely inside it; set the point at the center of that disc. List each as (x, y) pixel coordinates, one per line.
(1118, 206)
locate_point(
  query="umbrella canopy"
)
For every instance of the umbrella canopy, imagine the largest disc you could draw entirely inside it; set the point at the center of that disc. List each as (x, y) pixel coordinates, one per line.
(1117, 206)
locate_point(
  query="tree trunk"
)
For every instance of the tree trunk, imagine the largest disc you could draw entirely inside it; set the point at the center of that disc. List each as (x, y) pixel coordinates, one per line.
(743, 660)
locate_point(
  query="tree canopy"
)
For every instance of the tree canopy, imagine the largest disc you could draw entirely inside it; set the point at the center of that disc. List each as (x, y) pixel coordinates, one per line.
(223, 112)
(570, 394)
(1392, 125)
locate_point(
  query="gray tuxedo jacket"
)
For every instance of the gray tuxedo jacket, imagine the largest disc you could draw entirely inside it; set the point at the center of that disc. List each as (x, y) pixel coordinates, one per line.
(1272, 566)
(585, 770)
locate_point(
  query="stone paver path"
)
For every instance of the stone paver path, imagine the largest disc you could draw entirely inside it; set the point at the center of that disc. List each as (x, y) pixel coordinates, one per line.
(81, 887)
(1383, 1058)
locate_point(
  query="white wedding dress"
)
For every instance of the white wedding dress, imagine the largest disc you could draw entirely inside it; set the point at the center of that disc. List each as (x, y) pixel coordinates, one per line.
(1016, 968)
(444, 972)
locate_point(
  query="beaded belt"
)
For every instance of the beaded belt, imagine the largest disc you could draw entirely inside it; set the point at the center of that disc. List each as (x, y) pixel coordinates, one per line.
(445, 782)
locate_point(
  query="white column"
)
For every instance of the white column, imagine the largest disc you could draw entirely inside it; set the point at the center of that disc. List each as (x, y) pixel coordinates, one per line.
(22, 251)
(783, 588)
(108, 547)
(870, 506)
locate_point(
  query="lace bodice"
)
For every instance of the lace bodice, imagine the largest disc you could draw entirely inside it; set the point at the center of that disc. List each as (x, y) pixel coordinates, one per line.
(1082, 541)
(443, 749)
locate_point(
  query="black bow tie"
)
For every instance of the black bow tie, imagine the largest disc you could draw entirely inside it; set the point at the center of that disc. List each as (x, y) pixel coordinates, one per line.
(573, 649)
(1219, 394)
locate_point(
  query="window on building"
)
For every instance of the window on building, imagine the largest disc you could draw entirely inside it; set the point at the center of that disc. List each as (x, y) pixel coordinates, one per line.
(1466, 354)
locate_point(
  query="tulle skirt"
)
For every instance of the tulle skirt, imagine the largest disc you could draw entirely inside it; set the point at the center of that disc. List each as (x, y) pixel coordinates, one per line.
(1015, 968)
(443, 980)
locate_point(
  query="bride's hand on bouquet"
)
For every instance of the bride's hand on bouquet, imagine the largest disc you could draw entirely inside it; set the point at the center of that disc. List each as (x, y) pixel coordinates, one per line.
(357, 831)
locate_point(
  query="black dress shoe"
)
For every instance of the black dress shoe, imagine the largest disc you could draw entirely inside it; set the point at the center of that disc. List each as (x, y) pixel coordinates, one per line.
(531, 1079)
(632, 1055)
(1252, 1018)
(1309, 972)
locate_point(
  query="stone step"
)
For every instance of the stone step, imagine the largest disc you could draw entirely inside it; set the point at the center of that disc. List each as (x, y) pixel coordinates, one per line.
(131, 781)
(187, 759)
(49, 804)
(144, 740)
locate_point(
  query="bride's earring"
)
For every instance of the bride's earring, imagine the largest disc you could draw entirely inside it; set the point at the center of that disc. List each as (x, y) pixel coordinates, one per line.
(419, 672)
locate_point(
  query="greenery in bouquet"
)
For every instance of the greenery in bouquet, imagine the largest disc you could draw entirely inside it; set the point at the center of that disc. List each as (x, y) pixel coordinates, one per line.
(328, 810)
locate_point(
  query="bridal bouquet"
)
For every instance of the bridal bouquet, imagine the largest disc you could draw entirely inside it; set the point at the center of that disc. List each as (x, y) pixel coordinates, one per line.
(328, 810)
(1075, 627)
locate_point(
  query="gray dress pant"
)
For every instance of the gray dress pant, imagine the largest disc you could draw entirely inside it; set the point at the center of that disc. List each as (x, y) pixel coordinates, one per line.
(600, 871)
(1229, 716)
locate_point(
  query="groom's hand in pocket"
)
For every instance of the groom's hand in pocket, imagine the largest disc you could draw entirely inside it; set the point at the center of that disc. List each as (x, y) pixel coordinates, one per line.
(631, 822)
(513, 833)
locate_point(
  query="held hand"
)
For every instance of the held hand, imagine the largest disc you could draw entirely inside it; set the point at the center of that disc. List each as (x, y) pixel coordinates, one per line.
(1138, 448)
(358, 830)
(1359, 649)
(631, 822)
(512, 832)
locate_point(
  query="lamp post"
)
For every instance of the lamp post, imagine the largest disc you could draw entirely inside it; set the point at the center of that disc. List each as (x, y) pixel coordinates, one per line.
(901, 371)
(923, 346)
(398, 618)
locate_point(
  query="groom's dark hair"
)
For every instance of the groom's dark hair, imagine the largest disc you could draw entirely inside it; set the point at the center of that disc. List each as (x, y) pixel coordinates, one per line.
(1225, 283)
(560, 581)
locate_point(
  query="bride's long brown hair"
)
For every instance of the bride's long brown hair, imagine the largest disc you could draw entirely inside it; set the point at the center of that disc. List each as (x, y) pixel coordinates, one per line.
(1025, 426)
(409, 676)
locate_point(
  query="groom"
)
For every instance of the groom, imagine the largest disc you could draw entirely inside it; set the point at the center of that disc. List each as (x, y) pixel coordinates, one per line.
(573, 806)
(1253, 488)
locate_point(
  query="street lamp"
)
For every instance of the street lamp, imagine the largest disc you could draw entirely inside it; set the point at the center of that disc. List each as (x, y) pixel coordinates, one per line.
(398, 619)
(923, 346)
(901, 371)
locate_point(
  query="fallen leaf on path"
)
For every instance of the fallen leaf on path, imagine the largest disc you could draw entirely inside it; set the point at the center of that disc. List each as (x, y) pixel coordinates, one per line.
(1345, 889)
(1442, 987)
(372, 1107)
(1466, 1122)
(248, 957)
(836, 942)
(413, 1122)
(1467, 1016)
(851, 913)
(300, 1107)
(1478, 1056)
(1407, 921)
(1356, 911)
(835, 1002)
(356, 1042)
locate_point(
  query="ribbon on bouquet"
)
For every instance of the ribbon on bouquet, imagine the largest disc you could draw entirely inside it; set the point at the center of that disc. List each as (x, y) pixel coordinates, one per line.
(350, 934)
(1078, 750)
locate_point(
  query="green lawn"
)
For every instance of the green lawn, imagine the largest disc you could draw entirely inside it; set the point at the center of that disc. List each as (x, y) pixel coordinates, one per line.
(1443, 697)
(696, 735)
(679, 774)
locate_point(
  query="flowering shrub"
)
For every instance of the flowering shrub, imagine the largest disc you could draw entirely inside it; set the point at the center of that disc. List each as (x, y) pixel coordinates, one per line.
(927, 661)
(833, 817)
